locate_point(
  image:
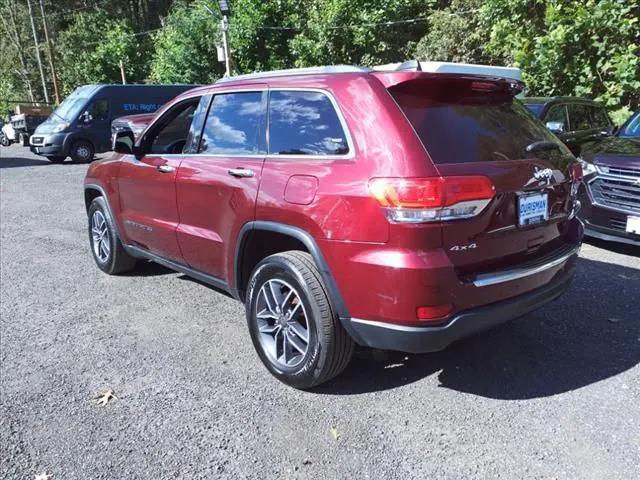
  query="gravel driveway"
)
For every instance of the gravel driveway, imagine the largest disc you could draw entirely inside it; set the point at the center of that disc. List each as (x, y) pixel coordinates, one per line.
(555, 394)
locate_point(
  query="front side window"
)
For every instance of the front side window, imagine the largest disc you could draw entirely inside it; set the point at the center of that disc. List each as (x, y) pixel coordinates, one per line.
(579, 117)
(235, 124)
(100, 109)
(304, 123)
(169, 135)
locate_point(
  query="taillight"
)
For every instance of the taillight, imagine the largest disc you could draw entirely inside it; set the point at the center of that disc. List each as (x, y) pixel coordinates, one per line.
(577, 173)
(418, 200)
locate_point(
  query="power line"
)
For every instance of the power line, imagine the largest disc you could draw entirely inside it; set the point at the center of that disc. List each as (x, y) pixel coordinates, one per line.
(63, 13)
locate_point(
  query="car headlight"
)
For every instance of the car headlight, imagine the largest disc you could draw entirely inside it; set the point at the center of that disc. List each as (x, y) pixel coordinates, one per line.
(587, 168)
(61, 127)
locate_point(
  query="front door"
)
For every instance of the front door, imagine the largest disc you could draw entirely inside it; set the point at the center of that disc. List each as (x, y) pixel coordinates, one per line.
(217, 186)
(148, 183)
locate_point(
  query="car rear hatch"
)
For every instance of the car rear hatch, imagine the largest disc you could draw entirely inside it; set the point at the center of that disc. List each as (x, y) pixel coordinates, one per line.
(473, 127)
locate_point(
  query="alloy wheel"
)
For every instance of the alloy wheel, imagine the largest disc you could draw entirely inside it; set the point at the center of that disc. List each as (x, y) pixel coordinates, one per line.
(100, 235)
(282, 324)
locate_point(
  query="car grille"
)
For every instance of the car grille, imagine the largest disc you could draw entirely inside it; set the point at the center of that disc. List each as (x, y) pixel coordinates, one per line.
(619, 192)
(622, 172)
(618, 224)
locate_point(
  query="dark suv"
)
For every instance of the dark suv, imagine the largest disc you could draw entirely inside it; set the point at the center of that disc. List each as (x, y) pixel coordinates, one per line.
(401, 210)
(610, 195)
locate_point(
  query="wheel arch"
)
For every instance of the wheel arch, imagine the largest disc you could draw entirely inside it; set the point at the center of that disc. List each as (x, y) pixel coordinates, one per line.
(93, 191)
(69, 140)
(299, 235)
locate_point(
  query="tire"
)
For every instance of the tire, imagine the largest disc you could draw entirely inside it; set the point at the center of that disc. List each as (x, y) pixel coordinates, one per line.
(56, 159)
(328, 347)
(4, 140)
(24, 139)
(109, 255)
(81, 151)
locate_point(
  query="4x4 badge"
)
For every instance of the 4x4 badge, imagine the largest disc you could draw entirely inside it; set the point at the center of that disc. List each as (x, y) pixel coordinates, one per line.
(460, 248)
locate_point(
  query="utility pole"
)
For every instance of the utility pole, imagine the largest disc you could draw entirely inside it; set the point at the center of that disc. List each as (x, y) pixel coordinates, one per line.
(225, 42)
(52, 66)
(124, 77)
(35, 40)
(225, 9)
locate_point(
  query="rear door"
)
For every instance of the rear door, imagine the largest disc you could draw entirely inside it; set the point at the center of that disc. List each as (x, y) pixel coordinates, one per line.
(148, 184)
(217, 183)
(471, 128)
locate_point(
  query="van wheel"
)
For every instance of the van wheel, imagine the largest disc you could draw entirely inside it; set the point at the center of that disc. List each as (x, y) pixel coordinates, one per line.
(106, 247)
(293, 328)
(56, 159)
(81, 152)
(4, 140)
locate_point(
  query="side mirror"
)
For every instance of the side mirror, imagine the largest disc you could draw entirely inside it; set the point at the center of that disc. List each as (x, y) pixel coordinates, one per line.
(555, 127)
(86, 117)
(124, 142)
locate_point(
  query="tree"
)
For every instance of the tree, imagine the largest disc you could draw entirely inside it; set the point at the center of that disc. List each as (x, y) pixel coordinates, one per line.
(91, 49)
(455, 34)
(185, 49)
(574, 47)
(354, 31)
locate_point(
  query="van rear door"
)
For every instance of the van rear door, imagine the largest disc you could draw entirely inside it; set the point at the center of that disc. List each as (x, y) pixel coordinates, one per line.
(473, 126)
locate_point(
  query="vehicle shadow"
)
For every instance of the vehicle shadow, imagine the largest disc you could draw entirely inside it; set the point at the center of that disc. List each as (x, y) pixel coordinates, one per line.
(10, 160)
(621, 248)
(589, 334)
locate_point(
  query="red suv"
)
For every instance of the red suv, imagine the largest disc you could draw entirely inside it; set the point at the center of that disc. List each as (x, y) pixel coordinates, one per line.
(400, 210)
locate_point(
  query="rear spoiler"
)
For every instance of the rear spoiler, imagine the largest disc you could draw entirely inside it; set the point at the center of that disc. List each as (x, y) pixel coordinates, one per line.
(393, 74)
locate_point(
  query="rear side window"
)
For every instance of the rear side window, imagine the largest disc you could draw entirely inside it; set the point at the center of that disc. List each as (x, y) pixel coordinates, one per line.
(579, 117)
(457, 125)
(304, 123)
(235, 124)
(558, 114)
(600, 118)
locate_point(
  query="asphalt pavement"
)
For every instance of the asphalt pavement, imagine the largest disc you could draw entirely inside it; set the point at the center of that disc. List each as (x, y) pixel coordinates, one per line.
(555, 394)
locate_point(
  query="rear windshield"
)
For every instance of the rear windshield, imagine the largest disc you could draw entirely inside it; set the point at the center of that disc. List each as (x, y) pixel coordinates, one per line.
(457, 125)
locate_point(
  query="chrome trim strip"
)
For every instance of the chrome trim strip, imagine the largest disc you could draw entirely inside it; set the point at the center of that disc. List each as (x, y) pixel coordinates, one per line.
(403, 328)
(486, 279)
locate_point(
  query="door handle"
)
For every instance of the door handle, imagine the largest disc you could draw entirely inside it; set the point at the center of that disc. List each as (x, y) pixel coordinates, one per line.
(166, 168)
(240, 172)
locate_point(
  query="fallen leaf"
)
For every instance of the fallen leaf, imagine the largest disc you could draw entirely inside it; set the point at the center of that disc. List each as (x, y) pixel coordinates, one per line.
(43, 476)
(335, 434)
(104, 398)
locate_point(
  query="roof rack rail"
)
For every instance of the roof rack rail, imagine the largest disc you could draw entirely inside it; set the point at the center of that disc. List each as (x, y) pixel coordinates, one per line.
(296, 71)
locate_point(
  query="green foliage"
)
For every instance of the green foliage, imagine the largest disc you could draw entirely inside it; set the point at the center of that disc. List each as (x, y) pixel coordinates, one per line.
(455, 34)
(91, 49)
(565, 47)
(185, 49)
(256, 48)
(363, 41)
(573, 47)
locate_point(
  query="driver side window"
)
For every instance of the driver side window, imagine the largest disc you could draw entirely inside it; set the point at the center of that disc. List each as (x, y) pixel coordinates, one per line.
(173, 128)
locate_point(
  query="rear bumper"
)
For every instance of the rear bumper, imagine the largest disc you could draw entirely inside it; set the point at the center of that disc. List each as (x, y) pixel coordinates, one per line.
(388, 336)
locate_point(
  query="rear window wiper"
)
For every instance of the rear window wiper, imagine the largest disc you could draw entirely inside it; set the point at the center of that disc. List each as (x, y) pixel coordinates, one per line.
(542, 145)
